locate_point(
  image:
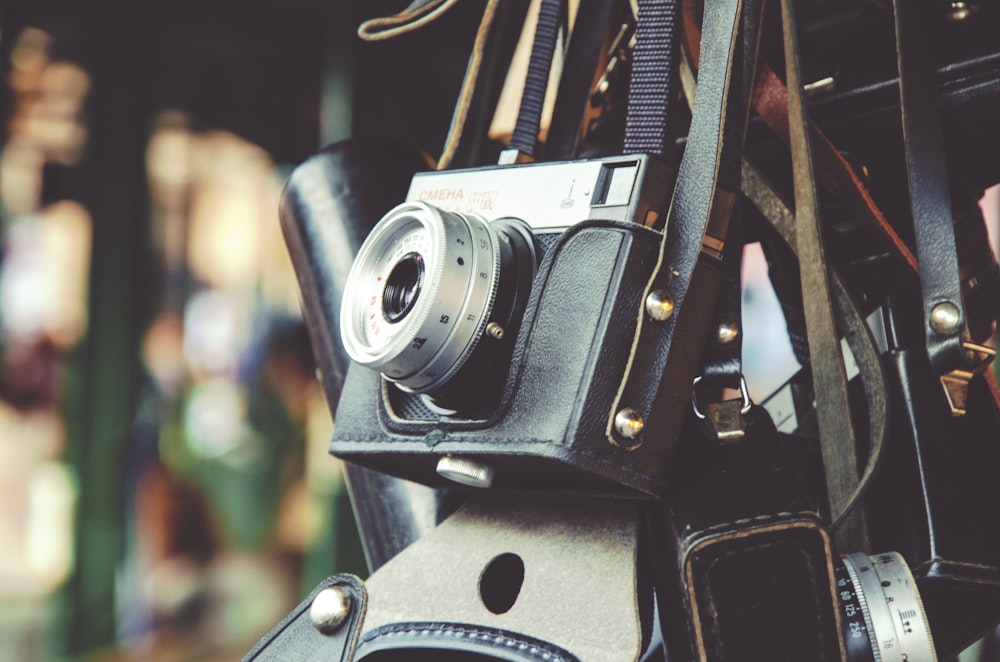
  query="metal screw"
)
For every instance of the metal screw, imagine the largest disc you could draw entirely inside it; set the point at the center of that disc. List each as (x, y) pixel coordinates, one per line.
(659, 305)
(629, 423)
(727, 333)
(465, 471)
(945, 317)
(495, 330)
(330, 609)
(959, 11)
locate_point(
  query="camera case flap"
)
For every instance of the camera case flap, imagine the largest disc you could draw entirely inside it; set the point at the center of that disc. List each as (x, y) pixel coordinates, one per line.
(745, 568)
(548, 430)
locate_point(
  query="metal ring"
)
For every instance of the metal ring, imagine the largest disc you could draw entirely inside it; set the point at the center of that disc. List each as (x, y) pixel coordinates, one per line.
(744, 395)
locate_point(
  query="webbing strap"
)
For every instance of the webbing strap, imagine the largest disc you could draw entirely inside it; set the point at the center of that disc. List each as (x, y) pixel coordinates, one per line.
(529, 116)
(652, 84)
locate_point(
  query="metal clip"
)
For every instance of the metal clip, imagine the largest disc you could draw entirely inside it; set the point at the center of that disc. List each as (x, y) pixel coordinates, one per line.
(956, 382)
(727, 418)
(618, 52)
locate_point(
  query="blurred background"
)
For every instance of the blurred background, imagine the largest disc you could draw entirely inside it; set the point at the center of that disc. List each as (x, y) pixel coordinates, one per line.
(165, 487)
(165, 491)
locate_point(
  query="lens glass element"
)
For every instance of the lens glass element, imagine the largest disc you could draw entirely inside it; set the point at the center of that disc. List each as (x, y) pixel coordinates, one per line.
(419, 295)
(402, 287)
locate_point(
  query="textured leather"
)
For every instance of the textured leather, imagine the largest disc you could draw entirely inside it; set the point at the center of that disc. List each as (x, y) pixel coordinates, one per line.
(296, 638)
(936, 497)
(328, 206)
(666, 355)
(930, 197)
(739, 558)
(548, 430)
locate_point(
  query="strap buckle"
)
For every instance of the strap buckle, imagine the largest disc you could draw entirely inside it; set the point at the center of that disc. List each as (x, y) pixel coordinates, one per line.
(956, 382)
(727, 418)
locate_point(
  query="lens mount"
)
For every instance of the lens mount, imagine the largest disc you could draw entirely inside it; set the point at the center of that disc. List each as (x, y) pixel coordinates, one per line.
(419, 295)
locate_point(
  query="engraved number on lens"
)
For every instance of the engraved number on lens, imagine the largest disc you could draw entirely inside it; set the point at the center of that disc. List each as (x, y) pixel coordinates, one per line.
(423, 289)
(882, 613)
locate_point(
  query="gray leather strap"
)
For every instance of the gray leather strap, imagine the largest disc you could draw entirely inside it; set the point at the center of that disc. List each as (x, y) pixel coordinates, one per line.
(829, 377)
(667, 352)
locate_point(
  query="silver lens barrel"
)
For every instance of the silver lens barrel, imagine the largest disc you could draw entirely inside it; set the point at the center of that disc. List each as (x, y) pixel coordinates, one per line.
(883, 615)
(419, 295)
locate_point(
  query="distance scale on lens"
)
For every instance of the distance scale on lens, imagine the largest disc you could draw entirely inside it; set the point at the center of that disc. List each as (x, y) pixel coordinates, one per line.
(418, 297)
(882, 614)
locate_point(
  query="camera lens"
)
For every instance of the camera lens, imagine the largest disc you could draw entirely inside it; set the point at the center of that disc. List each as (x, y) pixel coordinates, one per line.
(882, 614)
(427, 293)
(402, 287)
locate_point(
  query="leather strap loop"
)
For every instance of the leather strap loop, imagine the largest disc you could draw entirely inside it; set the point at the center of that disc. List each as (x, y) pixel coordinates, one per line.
(667, 352)
(930, 198)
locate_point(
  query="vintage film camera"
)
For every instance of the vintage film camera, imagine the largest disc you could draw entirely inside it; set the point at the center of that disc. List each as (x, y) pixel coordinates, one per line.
(490, 317)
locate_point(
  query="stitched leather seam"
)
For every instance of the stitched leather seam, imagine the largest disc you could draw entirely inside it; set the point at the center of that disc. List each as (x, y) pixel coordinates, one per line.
(539, 651)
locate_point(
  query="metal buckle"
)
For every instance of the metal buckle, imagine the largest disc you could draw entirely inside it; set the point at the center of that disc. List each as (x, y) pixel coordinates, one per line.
(956, 382)
(727, 418)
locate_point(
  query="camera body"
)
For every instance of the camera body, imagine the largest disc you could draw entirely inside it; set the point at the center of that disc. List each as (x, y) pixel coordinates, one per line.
(556, 256)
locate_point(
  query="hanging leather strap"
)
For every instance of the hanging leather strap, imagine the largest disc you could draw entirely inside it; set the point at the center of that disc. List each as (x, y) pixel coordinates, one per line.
(836, 433)
(930, 198)
(671, 335)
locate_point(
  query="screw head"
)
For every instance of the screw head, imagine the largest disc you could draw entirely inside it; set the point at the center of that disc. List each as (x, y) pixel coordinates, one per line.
(659, 305)
(959, 10)
(727, 333)
(945, 317)
(629, 423)
(330, 609)
(465, 471)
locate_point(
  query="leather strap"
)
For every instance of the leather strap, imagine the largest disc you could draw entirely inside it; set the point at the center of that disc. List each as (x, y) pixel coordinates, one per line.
(856, 332)
(667, 352)
(930, 198)
(836, 432)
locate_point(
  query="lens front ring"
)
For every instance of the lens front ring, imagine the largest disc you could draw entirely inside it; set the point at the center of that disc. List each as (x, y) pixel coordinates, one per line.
(419, 295)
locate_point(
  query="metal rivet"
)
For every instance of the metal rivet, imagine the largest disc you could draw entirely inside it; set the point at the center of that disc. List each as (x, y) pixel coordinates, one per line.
(629, 423)
(465, 471)
(727, 333)
(959, 11)
(945, 317)
(495, 330)
(330, 609)
(659, 305)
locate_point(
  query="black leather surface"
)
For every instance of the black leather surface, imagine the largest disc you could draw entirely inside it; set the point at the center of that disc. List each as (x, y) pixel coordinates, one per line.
(328, 206)
(295, 638)
(667, 354)
(549, 429)
(937, 497)
(739, 556)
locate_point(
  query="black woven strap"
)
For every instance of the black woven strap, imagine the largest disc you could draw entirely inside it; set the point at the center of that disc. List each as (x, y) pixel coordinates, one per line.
(653, 80)
(529, 116)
